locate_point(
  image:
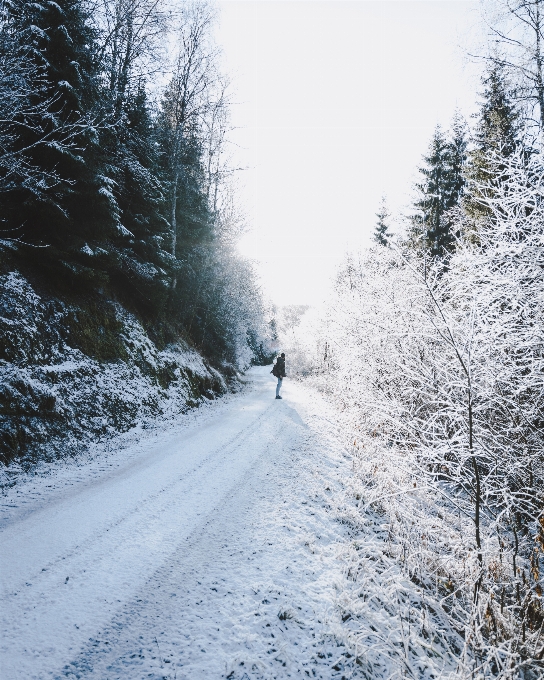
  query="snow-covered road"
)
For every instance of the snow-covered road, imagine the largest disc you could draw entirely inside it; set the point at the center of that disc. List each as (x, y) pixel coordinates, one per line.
(206, 550)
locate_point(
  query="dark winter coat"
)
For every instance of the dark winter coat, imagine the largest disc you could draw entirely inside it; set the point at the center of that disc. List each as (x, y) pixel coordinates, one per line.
(279, 371)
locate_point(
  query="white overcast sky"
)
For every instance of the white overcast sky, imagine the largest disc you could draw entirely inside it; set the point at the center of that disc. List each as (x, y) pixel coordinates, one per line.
(336, 102)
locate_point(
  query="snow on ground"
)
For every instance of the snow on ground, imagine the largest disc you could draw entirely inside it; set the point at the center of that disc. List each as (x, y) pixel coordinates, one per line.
(210, 549)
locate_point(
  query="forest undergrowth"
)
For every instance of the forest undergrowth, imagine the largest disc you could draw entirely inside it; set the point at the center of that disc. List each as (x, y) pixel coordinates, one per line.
(437, 367)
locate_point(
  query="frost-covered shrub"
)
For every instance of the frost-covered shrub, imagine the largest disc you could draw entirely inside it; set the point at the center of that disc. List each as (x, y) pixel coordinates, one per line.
(298, 329)
(440, 371)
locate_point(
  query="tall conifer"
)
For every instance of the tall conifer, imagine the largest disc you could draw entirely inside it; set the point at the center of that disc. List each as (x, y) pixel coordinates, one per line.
(79, 205)
(441, 189)
(497, 132)
(142, 268)
(458, 143)
(381, 230)
(432, 201)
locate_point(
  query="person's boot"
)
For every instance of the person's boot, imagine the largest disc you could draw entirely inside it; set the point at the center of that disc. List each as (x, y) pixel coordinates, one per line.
(278, 397)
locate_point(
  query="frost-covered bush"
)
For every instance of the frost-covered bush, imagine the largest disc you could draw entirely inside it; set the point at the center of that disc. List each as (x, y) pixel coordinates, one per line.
(440, 371)
(298, 329)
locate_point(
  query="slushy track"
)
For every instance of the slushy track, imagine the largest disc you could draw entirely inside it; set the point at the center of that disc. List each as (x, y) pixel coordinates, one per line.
(89, 575)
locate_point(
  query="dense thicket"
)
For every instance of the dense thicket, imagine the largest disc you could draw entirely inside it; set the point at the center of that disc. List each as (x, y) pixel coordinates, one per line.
(433, 348)
(106, 195)
(437, 366)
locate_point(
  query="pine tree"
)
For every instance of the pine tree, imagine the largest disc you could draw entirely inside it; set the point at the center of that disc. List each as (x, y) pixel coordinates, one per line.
(497, 132)
(498, 124)
(442, 188)
(18, 77)
(142, 270)
(457, 160)
(78, 205)
(381, 230)
(428, 223)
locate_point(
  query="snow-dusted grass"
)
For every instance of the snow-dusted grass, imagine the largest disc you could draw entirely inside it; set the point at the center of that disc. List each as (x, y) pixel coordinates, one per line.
(405, 554)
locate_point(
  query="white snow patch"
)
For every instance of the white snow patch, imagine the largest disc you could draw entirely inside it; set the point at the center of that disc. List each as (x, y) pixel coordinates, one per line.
(209, 549)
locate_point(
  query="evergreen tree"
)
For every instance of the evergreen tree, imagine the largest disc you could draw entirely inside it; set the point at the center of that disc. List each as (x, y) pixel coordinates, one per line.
(497, 132)
(78, 205)
(498, 121)
(457, 160)
(428, 223)
(18, 78)
(141, 271)
(381, 230)
(441, 189)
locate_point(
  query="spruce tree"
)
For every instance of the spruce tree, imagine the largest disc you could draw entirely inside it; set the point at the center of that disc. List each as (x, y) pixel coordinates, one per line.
(497, 132)
(457, 159)
(381, 230)
(441, 189)
(428, 223)
(144, 263)
(77, 206)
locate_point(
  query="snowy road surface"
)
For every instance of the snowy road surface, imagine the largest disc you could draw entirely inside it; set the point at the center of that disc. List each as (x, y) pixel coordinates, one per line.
(206, 550)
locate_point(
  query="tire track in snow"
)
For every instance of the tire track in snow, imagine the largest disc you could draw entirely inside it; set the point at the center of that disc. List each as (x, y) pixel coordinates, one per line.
(223, 504)
(60, 606)
(182, 481)
(212, 610)
(106, 654)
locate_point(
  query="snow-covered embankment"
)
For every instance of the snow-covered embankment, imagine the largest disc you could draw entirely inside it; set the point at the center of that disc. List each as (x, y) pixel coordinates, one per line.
(72, 373)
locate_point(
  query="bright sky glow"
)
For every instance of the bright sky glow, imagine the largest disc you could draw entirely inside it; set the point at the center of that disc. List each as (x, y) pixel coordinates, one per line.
(336, 103)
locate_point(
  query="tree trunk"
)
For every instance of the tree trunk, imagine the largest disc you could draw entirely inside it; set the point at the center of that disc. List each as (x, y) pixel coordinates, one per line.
(478, 496)
(173, 222)
(539, 79)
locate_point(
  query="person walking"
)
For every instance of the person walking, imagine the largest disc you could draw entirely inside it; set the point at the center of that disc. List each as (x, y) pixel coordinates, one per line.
(279, 371)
